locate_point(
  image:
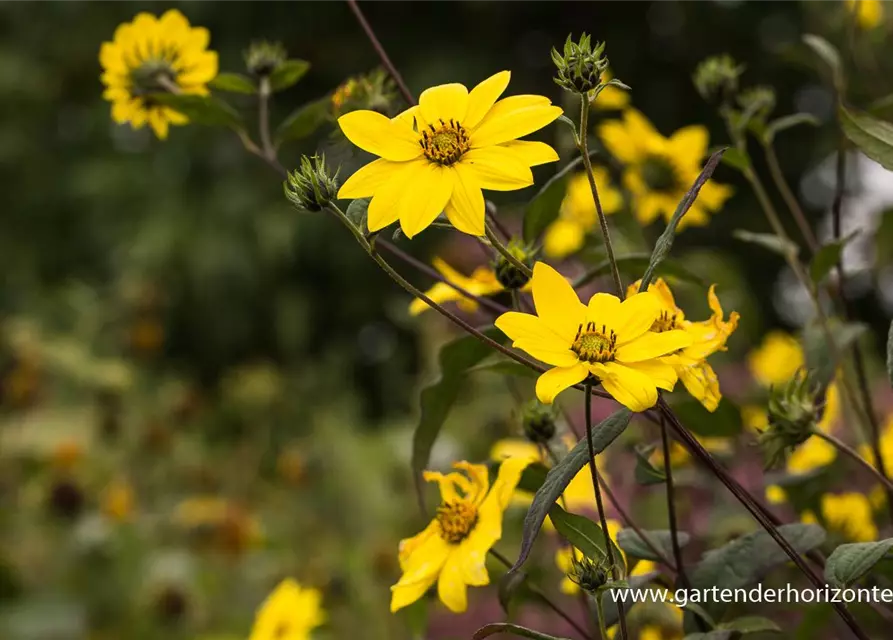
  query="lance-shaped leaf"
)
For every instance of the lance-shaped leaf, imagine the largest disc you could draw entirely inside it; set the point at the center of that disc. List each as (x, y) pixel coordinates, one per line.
(234, 82)
(849, 562)
(514, 629)
(303, 121)
(873, 137)
(585, 535)
(768, 241)
(204, 110)
(661, 539)
(827, 258)
(829, 55)
(786, 122)
(288, 73)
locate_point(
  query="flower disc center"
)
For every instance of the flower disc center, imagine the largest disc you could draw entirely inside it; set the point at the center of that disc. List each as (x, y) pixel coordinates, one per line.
(666, 322)
(445, 144)
(593, 345)
(659, 174)
(456, 519)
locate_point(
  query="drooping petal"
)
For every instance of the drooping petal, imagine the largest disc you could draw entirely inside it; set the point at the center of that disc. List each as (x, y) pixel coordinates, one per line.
(447, 483)
(635, 316)
(421, 558)
(444, 102)
(425, 195)
(689, 144)
(375, 133)
(533, 335)
(365, 180)
(465, 209)
(479, 475)
(531, 152)
(661, 373)
(483, 96)
(556, 302)
(631, 388)
(503, 124)
(556, 380)
(497, 169)
(701, 382)
(384, 207)
(652, 345)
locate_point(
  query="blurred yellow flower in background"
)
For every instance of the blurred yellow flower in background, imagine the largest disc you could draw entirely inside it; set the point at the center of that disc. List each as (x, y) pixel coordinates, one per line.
(776, 360)
(849, 514)
(611, 98)
(869, 13)
(577, 215)
(228, 526)
(437, 157)
(660, 170)
(482, 282)
(155, 55)
(452, 550)
(118, 501)
(291, 612)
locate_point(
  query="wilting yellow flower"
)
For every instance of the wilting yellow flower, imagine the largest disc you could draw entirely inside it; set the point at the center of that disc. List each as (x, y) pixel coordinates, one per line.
(118, 501)
(577, 215)
(869, 13)
(849, 514)
(611, 98)
(776, 360)
(608, 339)
(291, 612)
(154, 55)
(452, 550)
(564, 559)
(660, 170)
(482, 282)
(437, 157)
(708, 337)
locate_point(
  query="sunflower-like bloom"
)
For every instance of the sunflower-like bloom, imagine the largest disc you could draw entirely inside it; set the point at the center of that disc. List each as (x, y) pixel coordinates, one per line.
(578, 215)
(660, 170)
(452, 550)
(708, 337)
(869, 13)
(437, 157)
(849, 514)
(291, 612)
(155, 55)
(608, 339)
(776, 360)
(482, 282)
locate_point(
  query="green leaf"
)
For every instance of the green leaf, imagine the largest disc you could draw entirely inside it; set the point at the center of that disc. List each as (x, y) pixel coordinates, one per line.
(849, 562)
(700, 612)
(356, 212)
(646, 473)
(873, 137)
(827, 257)
(609, 605)
(818, 356)
(437, 399)
(234, 82)
(890, 353)
(565, 120)
(829, 55)
(716, 634)
(661, 539)
(288, 73)
(510, 585)
(507, 627)
(532, 477)
(665, 241)
(584, 534)
(751, 624)
(205, 110)
(543, 208)
(725, 421)
(786, 122)
(636, 264)
(303, 121)
(562, 473)
(507, 368)
(737, 159)
(768, 241)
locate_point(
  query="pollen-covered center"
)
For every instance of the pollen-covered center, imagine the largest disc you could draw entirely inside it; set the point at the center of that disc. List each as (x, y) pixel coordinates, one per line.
(445, 144)
(594, 345)
(456, 519)
(659, 174)
(665, 322)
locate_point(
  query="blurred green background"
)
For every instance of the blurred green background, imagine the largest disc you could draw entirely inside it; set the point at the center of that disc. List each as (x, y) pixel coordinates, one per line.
(171, 325)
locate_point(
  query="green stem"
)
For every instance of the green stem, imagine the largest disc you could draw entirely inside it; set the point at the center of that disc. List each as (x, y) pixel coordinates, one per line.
(505, 253)
(583, 142)
(847, 450)
(600, 614)
(788, 196)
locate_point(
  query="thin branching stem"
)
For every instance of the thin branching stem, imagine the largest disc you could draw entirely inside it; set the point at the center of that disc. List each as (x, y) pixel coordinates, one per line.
(505, 253)
(788, 195)
(671, 505)
(851, 453)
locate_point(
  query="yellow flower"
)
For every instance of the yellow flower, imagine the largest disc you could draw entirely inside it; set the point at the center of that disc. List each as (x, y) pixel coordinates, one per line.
(755, 417)
(608, 339)
(482, 282)
(776, 360)
(869, 13)
(660, 170)
(611, 98)
(565, 555)
(775, 494)
(154, 55)
(578, 215)
(118, 500)
(452, 549)
(439, 155)
(289, 613)
(850, 514)
(708, 337)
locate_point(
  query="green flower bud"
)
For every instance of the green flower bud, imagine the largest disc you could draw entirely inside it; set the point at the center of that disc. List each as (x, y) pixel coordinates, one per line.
(263, 58)
(794, 411)
(538, 422)
(374, 91)
(310, 188)
(580, 68)
(588, 575)
(717, 75)
(510, 276)
(757, 102)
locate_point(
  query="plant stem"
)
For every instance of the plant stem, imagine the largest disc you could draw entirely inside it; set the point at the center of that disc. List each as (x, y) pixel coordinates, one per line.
(788, 196)
(603, 521)
(671, 505)
(600, 614)
(846, 449)
(263, 116)
(583, 140)
(505, 253)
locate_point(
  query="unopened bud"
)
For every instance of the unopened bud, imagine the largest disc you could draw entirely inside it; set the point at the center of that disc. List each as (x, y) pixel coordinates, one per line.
(263, 58)
(588, 575)
(538, 421)
(794, 411)
(508, 274)
(311, 188)
(580, 67)
(717, 75)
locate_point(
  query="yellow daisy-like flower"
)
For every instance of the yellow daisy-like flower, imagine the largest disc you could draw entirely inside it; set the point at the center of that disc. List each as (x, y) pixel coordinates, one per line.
(437, 157)
(849, 514)
(578, 215)
(609, 339)
(482, 282)
(776, 360)
(291, 612)
(708, 337)
(153, 55)
(452, 550)
(869, 13)
(660, 170)
(611, 98)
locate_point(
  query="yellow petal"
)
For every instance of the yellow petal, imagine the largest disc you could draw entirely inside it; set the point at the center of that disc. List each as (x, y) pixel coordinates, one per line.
(483, 96)
(531, 153)
(702, 384)
(444, 102)
(466, 206)
(451, 588)
(689, 144)
(508, 125)
(111, 59)
(203, 70)
(497, 169)
(533, 335)
(631, 388)
(365, 180)
(617, 141)
(649, 207)
(410, 118)
(175, 117)
(556, 302)
(158, 123)
(556, 380)
(439, 293)
(383, 209)
(421, 568)
(635, 316)
(661, 374)
(713, 195)
(639, 127)
(425, 194)
(375, 133)
(488, 529)
(652, 345)
(563, 237)
(602, 310)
